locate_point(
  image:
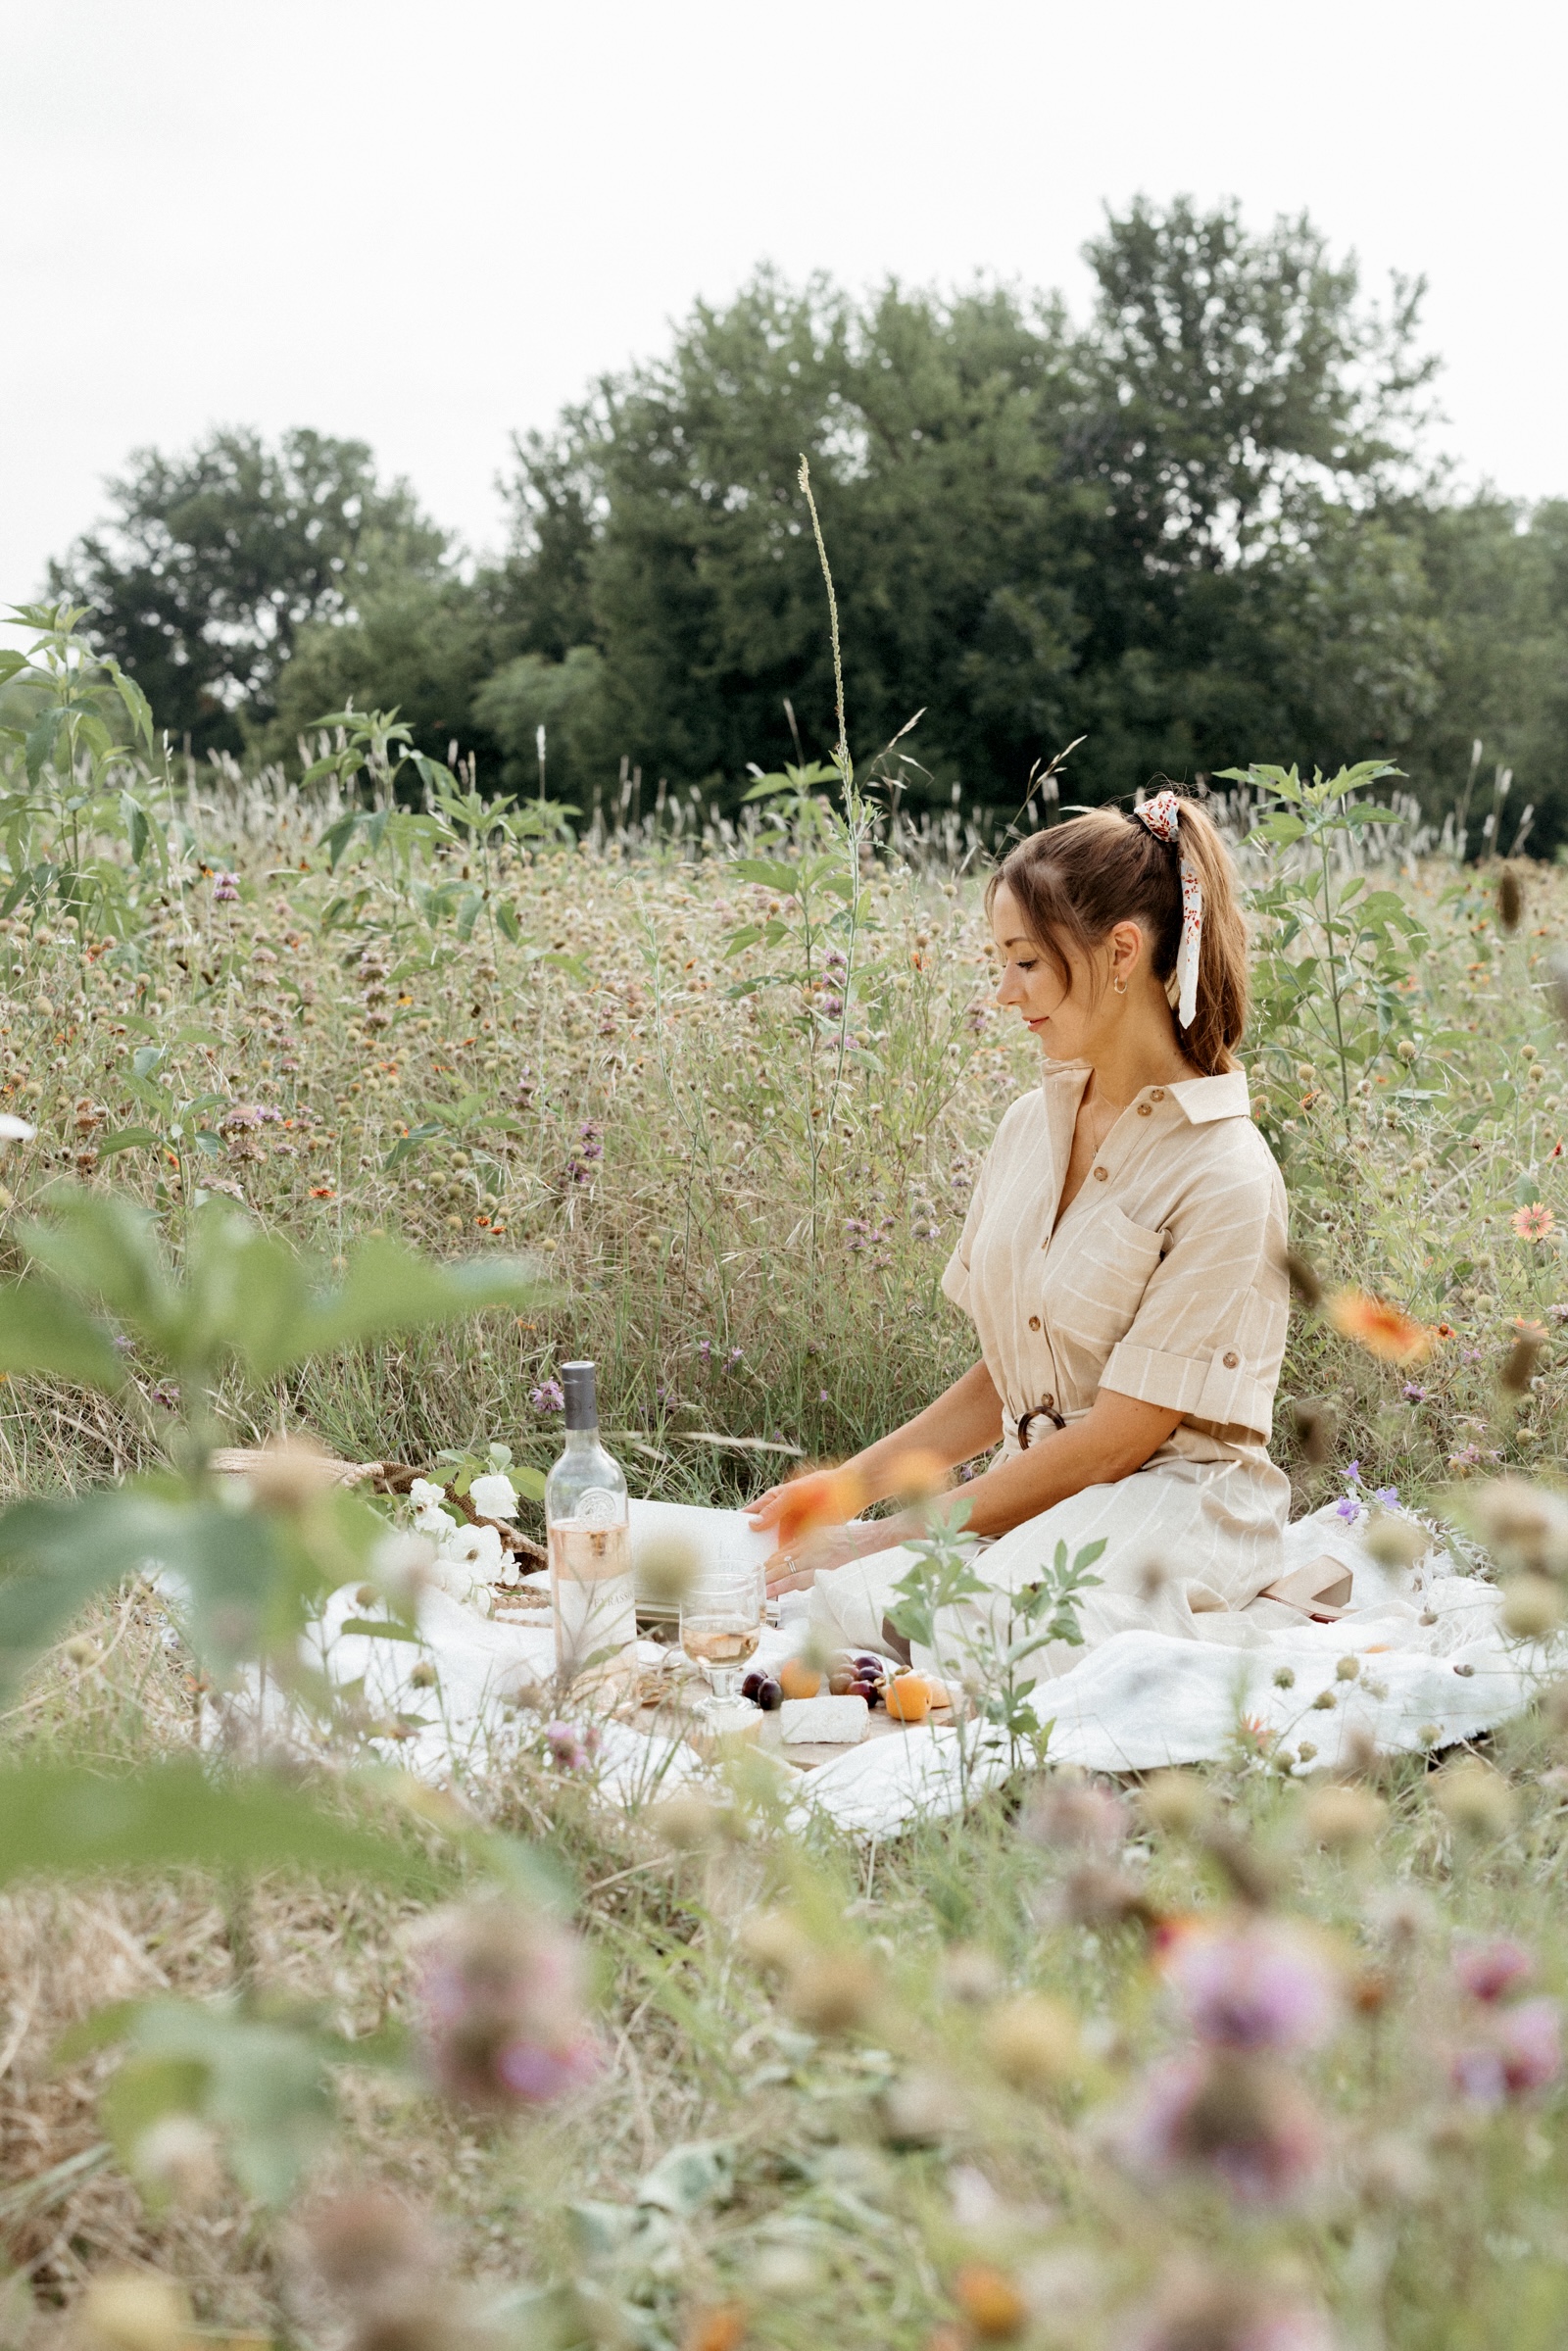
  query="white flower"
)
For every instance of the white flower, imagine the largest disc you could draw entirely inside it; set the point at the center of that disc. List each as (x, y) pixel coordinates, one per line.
(494, 1495)
(400, 1564)
(478, 1548)
(15, 1130)
(457, 1578)
(428, 1515)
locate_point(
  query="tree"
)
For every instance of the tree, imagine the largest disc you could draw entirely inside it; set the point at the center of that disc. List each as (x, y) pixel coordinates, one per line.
(1139, 531)
(212, 562)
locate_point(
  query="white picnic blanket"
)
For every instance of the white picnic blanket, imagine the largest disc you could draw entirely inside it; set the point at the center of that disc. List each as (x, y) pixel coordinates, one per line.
(1135, 1702)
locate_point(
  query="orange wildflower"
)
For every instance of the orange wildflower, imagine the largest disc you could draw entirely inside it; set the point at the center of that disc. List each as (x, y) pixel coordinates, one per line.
(822, 1498)
(917, 1475)
(1385, 1331)
(1536, 1222)
(991, 2302)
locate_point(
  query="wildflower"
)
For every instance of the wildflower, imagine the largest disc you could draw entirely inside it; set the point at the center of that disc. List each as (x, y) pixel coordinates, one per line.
(1199, 2313)
(571, 1749)
(1487, 1971)
(428, 1515)
(1521, 2051)
(1077, 1813)
(548, 1396)
(323, 1192)
(502, 2020)
(494, 1495)
(736, 1356)
(1385, 1331)
(225, 888)
(1033, 2042)
(1414, 1394)
(1234, 2115)
(823, 1497)
(1260, 1986)
(1342, 1817)
(1533, 1223)
(478, 1548)
(991, 2302)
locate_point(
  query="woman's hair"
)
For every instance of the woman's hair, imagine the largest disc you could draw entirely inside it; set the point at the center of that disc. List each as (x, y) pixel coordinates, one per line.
(1075, 881)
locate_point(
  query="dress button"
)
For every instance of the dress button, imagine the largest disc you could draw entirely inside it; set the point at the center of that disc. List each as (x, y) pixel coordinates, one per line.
(1230, 1359)
(1158, 1095)
(1034, 1322)
(1100, 1174)
(1144, 1110)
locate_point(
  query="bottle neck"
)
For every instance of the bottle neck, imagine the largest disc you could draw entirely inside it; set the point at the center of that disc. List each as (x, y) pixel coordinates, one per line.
(583, 1440)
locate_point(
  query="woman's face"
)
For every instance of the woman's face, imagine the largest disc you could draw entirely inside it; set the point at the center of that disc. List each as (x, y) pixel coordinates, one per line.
(1066, 1020)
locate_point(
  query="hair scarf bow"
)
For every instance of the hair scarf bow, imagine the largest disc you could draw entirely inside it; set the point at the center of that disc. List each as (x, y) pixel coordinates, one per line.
(1162, 817)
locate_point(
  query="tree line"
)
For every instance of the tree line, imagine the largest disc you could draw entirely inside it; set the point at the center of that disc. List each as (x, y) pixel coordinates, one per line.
(1202, 528)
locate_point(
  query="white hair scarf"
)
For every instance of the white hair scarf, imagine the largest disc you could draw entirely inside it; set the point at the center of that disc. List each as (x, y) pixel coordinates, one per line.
(1162, 817)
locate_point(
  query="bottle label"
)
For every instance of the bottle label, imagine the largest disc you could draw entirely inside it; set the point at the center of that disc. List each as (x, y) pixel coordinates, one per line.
(597, 1507)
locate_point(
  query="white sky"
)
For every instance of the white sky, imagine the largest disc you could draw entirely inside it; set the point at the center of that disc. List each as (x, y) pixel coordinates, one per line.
(426, 226)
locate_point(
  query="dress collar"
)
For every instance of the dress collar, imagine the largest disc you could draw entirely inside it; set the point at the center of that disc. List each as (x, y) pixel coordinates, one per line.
(1203, 1100)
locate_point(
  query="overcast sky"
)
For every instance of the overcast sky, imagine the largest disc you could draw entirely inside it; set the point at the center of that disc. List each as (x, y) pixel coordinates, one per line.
(428, 226)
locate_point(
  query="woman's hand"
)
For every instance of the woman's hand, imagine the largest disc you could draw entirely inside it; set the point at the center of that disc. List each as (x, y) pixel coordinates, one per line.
(797, 1568)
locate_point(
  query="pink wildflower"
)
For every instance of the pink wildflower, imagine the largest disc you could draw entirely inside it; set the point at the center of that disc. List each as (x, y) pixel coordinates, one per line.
(1488, 1971)
(1535, 1222)
(501, 2001)
(1522, 2051)
(572, 1747)
(1262, 1985)
(1237, 2117)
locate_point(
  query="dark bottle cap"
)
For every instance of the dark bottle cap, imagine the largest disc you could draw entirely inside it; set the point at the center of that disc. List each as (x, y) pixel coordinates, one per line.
(581, 1392)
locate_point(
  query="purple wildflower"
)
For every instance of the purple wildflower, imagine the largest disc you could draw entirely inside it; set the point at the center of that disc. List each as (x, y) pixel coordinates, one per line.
(548, 1396)
(1412, 1393)
(225, 888)
(501, 2002)
(832, 1005)
(1351, 1508)
(1236, 2116)
(1387, 1498)
(1262, 1985)
(736, 1356)
(705, 1349)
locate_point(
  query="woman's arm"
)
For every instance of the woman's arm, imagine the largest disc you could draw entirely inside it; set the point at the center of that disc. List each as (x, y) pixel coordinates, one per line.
(1115, 1436)
(964, 1420)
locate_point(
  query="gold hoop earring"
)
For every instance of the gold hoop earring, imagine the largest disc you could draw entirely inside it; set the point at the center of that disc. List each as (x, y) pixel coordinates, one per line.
(1118, 985)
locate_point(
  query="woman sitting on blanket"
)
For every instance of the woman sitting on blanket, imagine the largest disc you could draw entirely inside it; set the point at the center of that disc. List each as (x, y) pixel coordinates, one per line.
(1122, 1261)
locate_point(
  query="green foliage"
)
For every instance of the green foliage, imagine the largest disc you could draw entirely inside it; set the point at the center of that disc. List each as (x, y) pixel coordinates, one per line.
(1338, 953)
(75, 784)
(61, 1820)
(213, 561)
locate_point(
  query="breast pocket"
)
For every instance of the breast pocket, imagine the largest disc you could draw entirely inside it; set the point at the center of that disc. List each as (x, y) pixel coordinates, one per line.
(1096, 1285)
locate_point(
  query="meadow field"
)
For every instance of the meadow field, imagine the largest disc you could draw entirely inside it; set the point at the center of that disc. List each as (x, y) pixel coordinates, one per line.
(1230, 2061)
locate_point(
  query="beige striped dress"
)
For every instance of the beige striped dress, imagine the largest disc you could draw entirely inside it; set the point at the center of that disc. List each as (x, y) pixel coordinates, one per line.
(1164, 1279)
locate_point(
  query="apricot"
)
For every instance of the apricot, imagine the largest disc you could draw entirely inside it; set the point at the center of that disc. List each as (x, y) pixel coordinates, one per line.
(799, 1680)
(908, 1698)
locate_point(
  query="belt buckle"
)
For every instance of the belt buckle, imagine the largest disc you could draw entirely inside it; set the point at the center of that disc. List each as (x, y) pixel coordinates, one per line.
(1035, 1412)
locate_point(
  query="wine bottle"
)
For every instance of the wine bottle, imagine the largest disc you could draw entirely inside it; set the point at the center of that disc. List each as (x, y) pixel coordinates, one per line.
(589, 1536)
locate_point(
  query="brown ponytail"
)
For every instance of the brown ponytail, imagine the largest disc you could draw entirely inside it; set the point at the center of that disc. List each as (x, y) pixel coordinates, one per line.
(1076, 881)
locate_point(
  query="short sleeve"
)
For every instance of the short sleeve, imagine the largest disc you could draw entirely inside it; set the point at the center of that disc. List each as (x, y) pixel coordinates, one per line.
(1208, 1338)
(955, 1273)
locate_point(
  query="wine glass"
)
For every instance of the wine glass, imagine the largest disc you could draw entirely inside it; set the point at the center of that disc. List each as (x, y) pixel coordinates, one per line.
(722, 1624)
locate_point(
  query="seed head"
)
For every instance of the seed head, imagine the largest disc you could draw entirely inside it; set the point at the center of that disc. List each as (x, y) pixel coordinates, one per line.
(1033, 2043)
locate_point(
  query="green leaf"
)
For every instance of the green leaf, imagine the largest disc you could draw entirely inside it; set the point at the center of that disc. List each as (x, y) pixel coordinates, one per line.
(373, 1629)
(127, 1139)
(57, 1819)
(44, 1330)
(507, 921)
(386, 1289)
